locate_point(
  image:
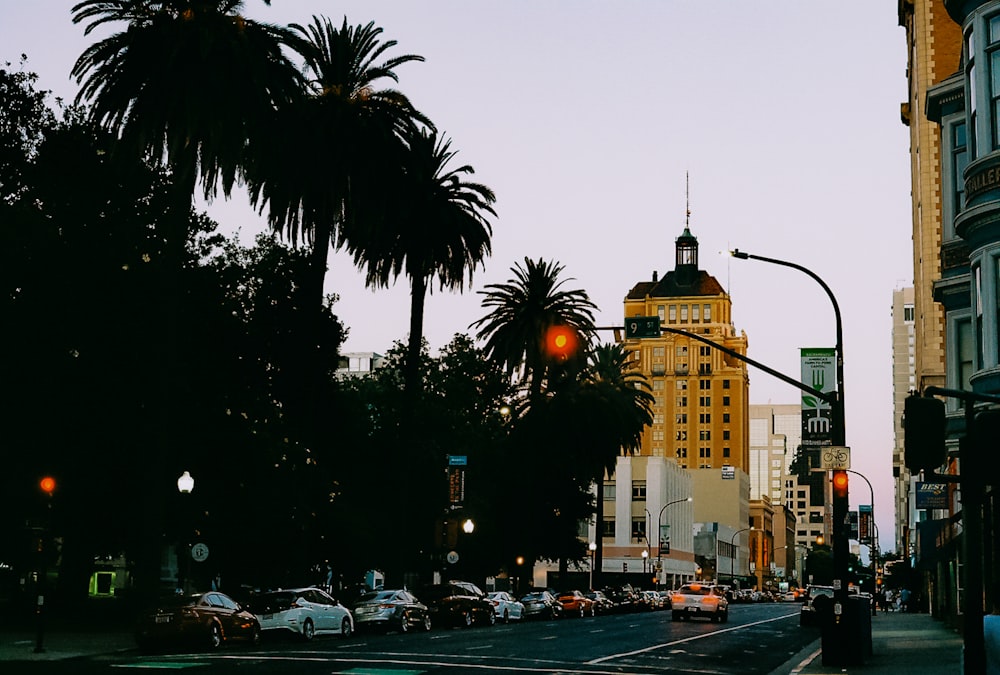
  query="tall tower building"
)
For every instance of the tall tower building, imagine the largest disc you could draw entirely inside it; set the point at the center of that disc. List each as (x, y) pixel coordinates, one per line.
(701, 407)
(698, 443)
(903, 382)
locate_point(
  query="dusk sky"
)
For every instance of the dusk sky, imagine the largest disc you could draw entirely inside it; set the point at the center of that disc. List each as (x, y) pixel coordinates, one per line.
(585, 117)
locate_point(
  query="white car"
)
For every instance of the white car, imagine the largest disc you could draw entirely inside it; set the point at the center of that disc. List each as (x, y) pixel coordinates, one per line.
(306, 612)
(506, 607)
(698, 599)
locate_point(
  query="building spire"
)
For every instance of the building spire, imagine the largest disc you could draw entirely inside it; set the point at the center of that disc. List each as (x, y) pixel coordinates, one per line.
(687, 199)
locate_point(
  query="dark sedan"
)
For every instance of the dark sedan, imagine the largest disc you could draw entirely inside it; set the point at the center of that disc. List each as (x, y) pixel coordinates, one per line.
(391, 610)
(206, 619)
(458, 603)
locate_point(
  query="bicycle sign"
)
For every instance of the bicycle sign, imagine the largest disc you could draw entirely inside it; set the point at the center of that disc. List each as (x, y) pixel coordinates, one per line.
(835, 458)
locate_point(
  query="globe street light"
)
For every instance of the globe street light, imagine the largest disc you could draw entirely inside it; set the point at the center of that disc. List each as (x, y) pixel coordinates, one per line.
(185, 485)
(645, 557)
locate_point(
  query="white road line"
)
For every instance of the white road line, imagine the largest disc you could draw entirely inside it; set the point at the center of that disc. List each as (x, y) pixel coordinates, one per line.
(688, 639)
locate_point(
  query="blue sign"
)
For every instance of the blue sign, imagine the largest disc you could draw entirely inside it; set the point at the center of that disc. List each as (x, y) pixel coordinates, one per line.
(458, 460)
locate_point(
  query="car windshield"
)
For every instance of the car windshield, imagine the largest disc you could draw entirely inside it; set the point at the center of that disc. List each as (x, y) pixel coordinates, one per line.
(534, 596)
(695, 590)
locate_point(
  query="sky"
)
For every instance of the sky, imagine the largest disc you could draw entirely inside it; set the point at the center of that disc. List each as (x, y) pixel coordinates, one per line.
(599, 123)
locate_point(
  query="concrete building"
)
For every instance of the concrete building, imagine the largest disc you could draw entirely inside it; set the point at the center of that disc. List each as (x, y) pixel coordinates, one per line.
(904, 381)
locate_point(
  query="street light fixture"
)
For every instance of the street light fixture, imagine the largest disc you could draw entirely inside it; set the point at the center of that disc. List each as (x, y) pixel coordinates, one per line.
(645, 557)
(732, 551)
(838, 438)
(185, 485)
(659, 532)
(593, 548)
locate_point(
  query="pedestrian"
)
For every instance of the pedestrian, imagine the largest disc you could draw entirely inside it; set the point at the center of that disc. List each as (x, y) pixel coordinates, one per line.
(887, 600)
(904, 600)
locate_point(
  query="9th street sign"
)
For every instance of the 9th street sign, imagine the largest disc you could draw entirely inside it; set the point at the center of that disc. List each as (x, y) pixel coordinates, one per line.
(642, 327)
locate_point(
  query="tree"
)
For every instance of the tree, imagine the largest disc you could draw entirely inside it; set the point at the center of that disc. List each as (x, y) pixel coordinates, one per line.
(334, 141)
(524, 308)
(186, 83)
(437, 228)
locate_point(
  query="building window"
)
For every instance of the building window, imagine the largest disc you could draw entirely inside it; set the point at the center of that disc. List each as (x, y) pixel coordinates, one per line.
(705, 385)
(725, 434)
(908, 316)
(657, 385)
(609, 492)
(959, 160)
(704, 453)
(639, 490)
(725, 418)
(682, 350)
(704, 435)
(725, 401)
(705, 418)
(682, 401)
(725, 384)
(706, 313)
(681, 453)
(705, 401)
(661, 312)
(704, 368)
(684, 313)
(659, 352)
(695, 314)
(681, 435)
(970, 87)
(681, 384)
(681, 418)
(672, 313)
(639, 529)
(725, 452)
(657, 434)
(608, 527)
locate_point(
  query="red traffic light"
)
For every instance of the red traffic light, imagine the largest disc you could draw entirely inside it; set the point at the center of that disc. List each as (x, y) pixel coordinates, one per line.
(561, 342)
(840, 484)
(48, 485)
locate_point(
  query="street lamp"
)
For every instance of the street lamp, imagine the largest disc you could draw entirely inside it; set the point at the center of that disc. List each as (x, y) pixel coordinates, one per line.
(468, 526)
(645, 557)
(593, 547)
(873, 543)
(185, 485)
(659, 532)
(732, 551)
(839, 438)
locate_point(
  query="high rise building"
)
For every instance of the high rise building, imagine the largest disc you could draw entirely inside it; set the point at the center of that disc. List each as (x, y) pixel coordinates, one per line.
(698, 443)
(904, 381)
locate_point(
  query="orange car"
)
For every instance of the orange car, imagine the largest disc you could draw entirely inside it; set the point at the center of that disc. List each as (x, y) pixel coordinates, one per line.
(575, 603)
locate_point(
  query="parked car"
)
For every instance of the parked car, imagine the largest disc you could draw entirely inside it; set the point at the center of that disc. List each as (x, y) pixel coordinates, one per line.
(206, 619)
(541, 605)
(575, 603)
(698, 599)
(653, 600)
(665, 599)
(624, 597)
(458, 603)
(602, 604)
(306, 612)
(815, 597)
(505, 606)
(391, 610)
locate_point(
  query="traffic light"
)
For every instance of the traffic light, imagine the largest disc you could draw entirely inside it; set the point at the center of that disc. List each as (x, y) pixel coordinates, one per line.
(840, 484)
(561, 343)
(924, 423)
(48, 485)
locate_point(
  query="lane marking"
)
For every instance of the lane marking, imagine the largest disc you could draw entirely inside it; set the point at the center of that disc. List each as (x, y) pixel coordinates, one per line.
(687, 639)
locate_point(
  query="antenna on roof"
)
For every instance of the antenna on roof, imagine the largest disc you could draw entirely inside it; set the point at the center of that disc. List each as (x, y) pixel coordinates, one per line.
(687, 198)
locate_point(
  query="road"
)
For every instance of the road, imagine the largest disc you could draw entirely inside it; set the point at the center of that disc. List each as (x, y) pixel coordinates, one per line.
(756, 640)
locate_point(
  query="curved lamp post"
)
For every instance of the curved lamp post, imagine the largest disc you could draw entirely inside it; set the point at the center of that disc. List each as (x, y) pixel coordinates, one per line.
(839, 435)
(732, 546)
(592, 547)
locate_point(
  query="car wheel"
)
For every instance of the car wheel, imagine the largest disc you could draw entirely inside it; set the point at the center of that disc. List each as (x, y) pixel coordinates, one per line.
(491, 617)
(506, 616)
(214, 636)
(466, 619)
(255, 635)
(308, 630)
(346, 628)
(593, 611)
(404, 623)
(552, 613)
(427, 622)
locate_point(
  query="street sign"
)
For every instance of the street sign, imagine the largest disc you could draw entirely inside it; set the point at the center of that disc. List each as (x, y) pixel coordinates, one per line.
(199, 552)
(452, 557)
(835, 458)
(642, 327)
(458, 460)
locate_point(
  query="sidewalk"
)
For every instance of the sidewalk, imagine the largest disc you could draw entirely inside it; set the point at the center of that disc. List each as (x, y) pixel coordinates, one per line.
(62, 644)
(915, 644)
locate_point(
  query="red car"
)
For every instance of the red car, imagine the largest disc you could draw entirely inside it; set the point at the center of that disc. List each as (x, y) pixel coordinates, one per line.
(206, 619)
(575, 603)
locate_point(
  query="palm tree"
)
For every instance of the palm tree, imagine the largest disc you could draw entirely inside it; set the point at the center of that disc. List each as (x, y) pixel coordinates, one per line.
(524, 309)
(186, 84)
(318, 172)
(438, 228)
(615, 406)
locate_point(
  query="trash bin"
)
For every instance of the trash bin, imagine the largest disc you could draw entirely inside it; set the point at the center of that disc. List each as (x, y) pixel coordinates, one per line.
(847, 641)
